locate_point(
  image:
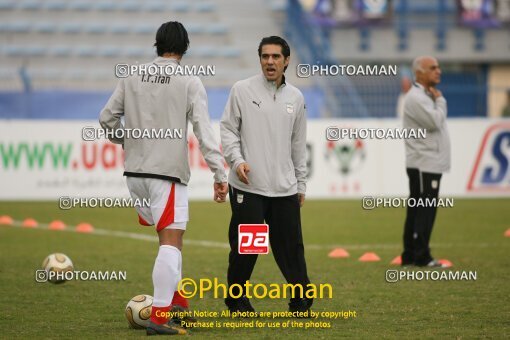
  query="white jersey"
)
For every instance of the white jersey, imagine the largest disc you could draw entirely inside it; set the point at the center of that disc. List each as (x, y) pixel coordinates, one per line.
(162, 103)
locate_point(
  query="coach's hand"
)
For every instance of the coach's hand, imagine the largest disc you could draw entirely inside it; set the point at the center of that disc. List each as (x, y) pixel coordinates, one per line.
(242, 172)
(220, 192)
(301, 198)
(435, 92)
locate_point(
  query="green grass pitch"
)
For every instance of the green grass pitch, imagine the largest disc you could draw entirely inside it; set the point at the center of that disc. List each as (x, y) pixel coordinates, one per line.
(469, 234)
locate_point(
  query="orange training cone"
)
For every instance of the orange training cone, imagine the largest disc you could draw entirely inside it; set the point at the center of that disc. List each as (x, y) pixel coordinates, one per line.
(445, 263)
(369, 257)
(338, 253)
(57, 225)
(6, 220)
(30, 223)
(397, 260)
(507, 233)
(84, 228)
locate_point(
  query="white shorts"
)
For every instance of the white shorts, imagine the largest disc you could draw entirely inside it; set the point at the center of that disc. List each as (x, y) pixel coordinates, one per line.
(168, 202)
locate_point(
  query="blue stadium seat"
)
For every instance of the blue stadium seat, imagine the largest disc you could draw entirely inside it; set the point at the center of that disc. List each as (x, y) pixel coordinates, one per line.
(229, 52)
(145, 29)
(120, 28)
(51, 74)
(45, 27)
(55, 5)
(36, 51)
(7, 5)
(85, 51)
(30, 5)
(154, 6)
(24, 51)
(109, 51)
(105, 6)
(101, 75)
(71, 28)
(135, 51)
(18, 27)
(179, 7)
(205, 52)
(195, 28)
(81, 6)
(14, 51)
(130, 6)
(76, 74)
(61, 51)
(216, 29)
(7, 74)
(205, 7)
(95, 28)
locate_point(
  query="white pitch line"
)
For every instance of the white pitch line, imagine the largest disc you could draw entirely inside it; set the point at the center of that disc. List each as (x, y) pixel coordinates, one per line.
(224, 245)
(125, 234)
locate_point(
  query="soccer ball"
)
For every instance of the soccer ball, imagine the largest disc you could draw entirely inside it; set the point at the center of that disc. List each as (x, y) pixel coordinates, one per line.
(138, 311)
(57, 263)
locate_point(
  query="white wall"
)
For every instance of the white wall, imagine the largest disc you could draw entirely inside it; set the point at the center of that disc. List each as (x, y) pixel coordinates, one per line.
(94, 169)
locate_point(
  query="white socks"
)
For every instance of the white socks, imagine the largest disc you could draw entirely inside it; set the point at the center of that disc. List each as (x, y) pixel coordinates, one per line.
(166, 275)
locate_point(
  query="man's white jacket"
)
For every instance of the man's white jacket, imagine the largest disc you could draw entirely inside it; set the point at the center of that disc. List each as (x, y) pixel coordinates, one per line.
(162, 102)
(430, 154)
(265, 126)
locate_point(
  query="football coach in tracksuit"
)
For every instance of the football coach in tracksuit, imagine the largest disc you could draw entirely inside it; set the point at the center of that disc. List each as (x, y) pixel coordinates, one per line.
(263, 135)
(426, 159)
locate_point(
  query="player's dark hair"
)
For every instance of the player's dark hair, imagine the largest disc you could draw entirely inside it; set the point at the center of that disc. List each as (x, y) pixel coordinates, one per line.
(171, 37)
(275, 40)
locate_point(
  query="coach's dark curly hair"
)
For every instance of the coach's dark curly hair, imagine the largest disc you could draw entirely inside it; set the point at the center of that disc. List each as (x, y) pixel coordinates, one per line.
(171, 37)
(275, 40)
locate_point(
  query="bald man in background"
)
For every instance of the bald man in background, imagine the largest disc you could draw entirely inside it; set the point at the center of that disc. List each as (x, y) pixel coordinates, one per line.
(426, 159)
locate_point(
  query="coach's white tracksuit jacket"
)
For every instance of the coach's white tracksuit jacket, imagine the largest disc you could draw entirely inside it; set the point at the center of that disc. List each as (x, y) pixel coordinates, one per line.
(266, 128)
(162, 103)
(431, 154)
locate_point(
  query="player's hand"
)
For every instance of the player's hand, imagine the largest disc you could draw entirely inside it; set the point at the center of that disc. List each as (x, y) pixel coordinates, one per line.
(301, 198)
(242, 172)
(435, 92)
(220, 192)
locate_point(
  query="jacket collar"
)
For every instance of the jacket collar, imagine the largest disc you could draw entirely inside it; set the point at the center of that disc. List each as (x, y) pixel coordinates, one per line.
(418, 85)
(272, 84)
(163, 60)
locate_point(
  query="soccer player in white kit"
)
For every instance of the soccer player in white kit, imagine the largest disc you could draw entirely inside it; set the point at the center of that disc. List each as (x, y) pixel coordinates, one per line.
(157, 168)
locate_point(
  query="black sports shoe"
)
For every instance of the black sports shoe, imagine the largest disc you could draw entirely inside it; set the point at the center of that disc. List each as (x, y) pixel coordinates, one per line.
(169, 328)
(301, 305)
(182, 317)
(241, 304)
